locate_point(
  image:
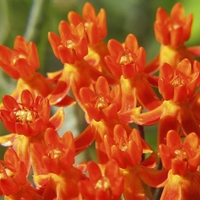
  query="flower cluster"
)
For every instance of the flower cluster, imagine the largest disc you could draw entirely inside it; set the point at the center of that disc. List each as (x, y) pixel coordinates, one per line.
(116, 88)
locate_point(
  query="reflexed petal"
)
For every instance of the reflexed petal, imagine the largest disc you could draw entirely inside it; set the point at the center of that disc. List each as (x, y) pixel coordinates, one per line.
(94, 172)
(33, 58)
(115, 48)
(20, 44)
(7, 140)
(27, 98)
(131, 43)
(59, 92)
(102, 87)
(74, 18)
(85, 139)
(173, 139)
(57, 119)
(55, 41)
(51, 137)
(10, 103)
(191, 141)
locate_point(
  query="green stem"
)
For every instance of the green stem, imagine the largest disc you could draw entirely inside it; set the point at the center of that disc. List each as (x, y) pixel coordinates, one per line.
(35, 20)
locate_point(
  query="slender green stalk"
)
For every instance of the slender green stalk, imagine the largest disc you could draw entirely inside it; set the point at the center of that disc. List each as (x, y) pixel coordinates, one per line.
(35, 20)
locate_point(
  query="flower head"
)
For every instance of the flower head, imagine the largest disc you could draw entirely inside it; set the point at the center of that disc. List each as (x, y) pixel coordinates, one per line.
(126, 59)
(105, 182)
(12, 173)
(103, 103)
(72, 43)
(175, 29)
(122, 146)
(28, 117)
(178, 84)
(22, 61)
(57, 155)
(180, 156)
(182, 160)
(94, 24)
(53, 166)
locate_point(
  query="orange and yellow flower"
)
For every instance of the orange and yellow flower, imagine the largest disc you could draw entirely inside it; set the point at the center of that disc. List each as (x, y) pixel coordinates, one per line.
(182, 160)
(22, 61)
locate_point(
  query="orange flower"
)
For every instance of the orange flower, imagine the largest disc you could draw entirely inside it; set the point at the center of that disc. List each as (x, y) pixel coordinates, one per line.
(173, 30)
(53, 166)
(104, 182)
(178, 109)
(181, 157)
(122, 145)
(12, 173)
(72, 43)
(95, 25)
(22, 61)
(178, 84)
(57, 155)
(28, 117)
(127, 61)
(103, 103)
(27, 121)
(182, 160)
(13, 178)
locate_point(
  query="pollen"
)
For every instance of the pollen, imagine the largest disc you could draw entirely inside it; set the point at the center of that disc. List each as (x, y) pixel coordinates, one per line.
(102, 102)
(69, 44)
(123, 147)
(126, 59)
(54, 153)
(177, 81)
(26, 116)
(181, 154)
(103, 184)
(6, 172)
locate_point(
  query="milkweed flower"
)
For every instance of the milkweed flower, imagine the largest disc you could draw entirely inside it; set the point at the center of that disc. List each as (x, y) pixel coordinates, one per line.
(100, 105)
(22, 61)
(96, 30)
(172, 31)
(71, 45)
(104, 182)
(122, 145)
(181, 160)
(28, 117)
(27, 120)
(175, 29)
(53, 166)
(13, 181)
(94, 24)
(126, 62)
(180, 100)
(127, 148)
(102, 102)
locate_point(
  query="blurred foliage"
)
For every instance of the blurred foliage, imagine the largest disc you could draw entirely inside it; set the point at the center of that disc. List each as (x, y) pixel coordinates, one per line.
(33, 19)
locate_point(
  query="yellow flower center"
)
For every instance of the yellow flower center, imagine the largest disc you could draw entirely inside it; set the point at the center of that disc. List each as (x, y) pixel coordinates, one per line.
(103, 184)
(181, 154)
(54, 153)
(126, 59)
(26, 115)
(178, 81)
(4, 172)
(102, 102)
(70, 44)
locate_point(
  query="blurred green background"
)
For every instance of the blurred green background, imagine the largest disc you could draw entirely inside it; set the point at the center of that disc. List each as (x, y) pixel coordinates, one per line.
(33, 19)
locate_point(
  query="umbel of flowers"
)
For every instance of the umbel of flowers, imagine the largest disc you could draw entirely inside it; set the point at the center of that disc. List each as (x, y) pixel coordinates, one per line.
(115, 88)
